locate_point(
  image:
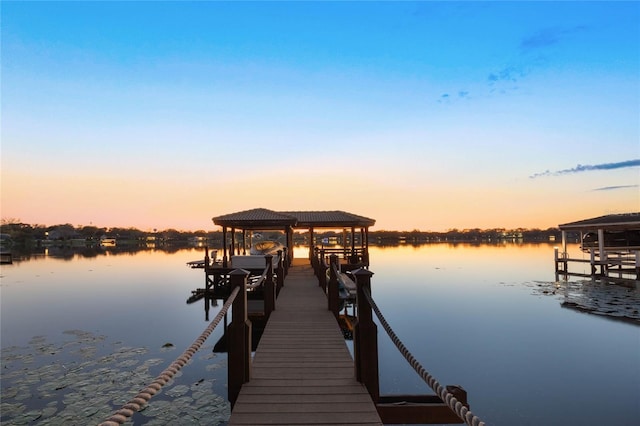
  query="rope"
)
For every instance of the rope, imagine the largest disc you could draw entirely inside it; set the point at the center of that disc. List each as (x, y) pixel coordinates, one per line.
(261, 279)
(451, 401)
(135, 404)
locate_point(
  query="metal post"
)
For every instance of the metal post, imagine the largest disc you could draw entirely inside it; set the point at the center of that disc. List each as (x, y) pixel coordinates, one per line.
(365, 337)
(239, 338)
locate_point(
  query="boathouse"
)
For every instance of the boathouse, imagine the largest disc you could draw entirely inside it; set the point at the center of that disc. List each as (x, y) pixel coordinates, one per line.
(612, 242)
(261, 219)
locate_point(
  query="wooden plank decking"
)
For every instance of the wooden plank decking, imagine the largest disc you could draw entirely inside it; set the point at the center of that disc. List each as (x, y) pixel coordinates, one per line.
(302, 371)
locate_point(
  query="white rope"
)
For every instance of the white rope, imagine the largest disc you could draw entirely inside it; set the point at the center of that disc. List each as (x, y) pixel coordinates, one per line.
(451, 401)
(139, 401)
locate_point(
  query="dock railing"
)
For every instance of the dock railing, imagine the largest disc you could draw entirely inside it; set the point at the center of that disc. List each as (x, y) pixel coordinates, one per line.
(448, 405)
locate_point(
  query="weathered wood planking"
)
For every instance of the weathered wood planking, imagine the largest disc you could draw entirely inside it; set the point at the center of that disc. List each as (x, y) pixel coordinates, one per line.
(302, 371)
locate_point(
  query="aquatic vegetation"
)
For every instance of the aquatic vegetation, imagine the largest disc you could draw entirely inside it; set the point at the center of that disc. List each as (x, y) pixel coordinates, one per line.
(594, 296)
(84, 377)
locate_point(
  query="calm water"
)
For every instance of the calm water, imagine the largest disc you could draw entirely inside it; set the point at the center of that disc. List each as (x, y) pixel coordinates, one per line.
(81, 335)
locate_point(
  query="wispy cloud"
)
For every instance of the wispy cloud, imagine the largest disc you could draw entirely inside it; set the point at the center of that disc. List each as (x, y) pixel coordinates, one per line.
(529, 55)
(446, 97)
(548, 37)
(584, 168)
(536, 43)
(510, 73)
(613, 188)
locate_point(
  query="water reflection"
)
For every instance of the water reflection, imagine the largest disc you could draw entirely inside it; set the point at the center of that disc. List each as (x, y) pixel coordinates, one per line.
(617, 300)
(487, 317)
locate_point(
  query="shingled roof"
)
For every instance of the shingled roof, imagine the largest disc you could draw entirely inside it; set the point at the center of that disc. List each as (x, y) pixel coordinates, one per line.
(329, 219)
(624, 221)
(268, 219)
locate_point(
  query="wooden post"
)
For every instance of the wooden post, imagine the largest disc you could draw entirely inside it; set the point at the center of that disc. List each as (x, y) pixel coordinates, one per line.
(332, 294)
(322, 273)
(269, 288)
(603, 253)
(239, 338)
(232, 249)
(354, 257)
(365, 337)
(313, 259)
(280, 272)
(285, 261)
(224, 247)
(244, 242)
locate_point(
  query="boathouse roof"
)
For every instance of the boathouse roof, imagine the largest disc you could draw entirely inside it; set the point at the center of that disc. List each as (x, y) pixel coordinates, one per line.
(261, 218)
(623, 221)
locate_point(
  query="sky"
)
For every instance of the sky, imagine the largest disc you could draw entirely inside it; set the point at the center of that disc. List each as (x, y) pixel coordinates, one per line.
(421, 115)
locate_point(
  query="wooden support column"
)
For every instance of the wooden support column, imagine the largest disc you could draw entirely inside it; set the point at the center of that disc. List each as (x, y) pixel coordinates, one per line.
(366, 246)
(344, 243)
(269, 288)
(244, 242)
(224, 247)
(603, 253)
(354, 258)
(239, 337)
(332, 294)
(311, 243)
(280, 272)
(232, 249)
(365, 337)
(289, 233)
(322, 273)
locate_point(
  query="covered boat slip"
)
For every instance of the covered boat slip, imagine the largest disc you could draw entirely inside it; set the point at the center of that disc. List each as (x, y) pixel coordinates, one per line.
(261, 219)
(613, 244)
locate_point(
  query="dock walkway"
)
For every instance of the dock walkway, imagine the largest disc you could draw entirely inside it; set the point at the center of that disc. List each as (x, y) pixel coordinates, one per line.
(302, 371)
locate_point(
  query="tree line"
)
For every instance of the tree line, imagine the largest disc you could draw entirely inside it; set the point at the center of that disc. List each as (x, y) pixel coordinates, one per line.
(28, 234)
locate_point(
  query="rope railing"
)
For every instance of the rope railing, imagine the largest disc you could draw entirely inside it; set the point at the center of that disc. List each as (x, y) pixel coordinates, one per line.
(447, 397)
(136, 403)
(261, 279)
(257, 283)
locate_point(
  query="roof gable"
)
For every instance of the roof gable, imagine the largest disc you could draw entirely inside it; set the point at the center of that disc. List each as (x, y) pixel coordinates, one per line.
(611, 221)
(261, 218)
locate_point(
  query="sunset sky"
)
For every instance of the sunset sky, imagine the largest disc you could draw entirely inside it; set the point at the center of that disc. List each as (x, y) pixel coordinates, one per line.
(421, 115)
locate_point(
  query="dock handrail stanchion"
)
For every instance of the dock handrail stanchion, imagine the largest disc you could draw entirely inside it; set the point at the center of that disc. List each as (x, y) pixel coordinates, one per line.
(280, 272)
(314, 261)
(286, 261)
(322, 272)
(239, 338)
(365, 337)
(332, 294)
(269, 288)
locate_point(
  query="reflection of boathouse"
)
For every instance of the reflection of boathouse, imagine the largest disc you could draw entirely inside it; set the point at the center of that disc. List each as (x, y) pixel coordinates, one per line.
(612, 242)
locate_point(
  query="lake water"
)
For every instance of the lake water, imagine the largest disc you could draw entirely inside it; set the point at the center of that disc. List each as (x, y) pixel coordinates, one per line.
(82, 334)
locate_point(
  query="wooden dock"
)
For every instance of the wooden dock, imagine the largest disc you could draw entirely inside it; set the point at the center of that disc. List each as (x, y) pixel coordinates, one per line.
(302, 372)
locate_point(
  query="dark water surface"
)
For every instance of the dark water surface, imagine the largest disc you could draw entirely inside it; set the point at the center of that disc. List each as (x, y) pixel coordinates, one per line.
(82, 335)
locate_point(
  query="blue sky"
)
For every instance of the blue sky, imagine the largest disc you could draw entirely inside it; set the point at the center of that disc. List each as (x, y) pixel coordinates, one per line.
(429, 115)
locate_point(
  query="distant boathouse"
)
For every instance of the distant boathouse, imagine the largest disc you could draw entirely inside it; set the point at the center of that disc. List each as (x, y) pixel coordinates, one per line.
(612, 242)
